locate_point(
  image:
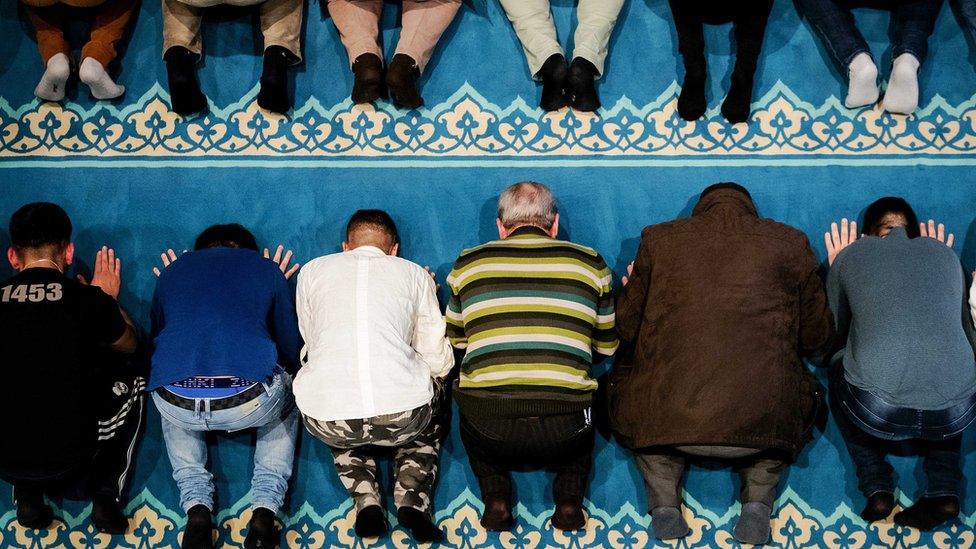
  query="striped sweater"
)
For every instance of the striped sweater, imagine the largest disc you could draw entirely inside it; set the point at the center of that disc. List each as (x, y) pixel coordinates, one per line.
(530, 311)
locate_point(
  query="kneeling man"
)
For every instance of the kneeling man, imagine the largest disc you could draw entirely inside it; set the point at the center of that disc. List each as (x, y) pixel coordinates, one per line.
(720, 309)
(375, 352)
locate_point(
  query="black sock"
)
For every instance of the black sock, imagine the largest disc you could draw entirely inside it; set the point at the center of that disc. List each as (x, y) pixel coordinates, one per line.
(371, 522)
(262, 532)
(32, 511)
(274, 80)
(368, 85)
(691, 102)
(582, 85)
(878, 507)
(423, 529)
(401, 77)
(738, 102)
(107, 515)
(199, 529)
(929, 512)
(184, 90)
(554, 73)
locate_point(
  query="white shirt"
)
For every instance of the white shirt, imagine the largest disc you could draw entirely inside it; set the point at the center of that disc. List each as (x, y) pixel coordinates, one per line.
(374, 336)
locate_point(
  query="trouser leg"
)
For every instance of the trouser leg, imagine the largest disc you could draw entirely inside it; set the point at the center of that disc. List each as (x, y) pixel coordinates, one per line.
(181, 26)
(107, 29)
(572, 476)
(914, 23)
(942, 466)
(749, 33)
(423, 24)
(494, 478)
(760, 477)
(118, 433)
(596, 19)
(49, 29)
(281, 25)
(188, 455)
(868, 453)
(834, 21)
(274, 457)
(358, 23)
(662, 478)
(416, 464)
(535, 29)
(357, 472)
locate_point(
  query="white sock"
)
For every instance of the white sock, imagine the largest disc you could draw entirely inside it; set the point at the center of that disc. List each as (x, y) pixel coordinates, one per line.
(901, 97)
(862, 88)
(51, 86)
(102, 86)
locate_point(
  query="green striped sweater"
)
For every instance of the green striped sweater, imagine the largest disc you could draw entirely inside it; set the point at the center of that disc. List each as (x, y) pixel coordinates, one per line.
(530, 311)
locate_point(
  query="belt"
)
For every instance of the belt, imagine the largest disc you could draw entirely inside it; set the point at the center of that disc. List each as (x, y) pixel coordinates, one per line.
(224, 403)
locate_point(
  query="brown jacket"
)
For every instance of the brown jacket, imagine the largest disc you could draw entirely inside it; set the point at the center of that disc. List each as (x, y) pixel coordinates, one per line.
(719, 310)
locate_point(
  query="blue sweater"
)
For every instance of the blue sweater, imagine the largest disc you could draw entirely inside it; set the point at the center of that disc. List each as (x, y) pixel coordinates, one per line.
(222, 312)
(902, 303)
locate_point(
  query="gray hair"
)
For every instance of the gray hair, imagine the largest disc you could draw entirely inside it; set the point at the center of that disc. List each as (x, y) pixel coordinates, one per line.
(527, 203)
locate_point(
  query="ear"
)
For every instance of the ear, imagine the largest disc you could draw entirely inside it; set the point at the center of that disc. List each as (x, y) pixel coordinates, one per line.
(394, 250)
(13, 259)
(69, 254)
(345, 246)
(554, 230)
(502, 231)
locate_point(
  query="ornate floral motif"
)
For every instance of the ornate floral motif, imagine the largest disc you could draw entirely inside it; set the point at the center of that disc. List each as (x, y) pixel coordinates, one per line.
(795, 525)
(467, 125)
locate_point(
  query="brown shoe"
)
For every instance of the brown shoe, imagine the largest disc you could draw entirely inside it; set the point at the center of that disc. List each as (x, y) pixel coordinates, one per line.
(498, 515)
(569, 516)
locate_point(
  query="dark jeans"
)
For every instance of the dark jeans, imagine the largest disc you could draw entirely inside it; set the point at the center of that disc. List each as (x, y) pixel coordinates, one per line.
(561, 443)
(968, 10)
(749, 26)
(869, 426)
(913, 21)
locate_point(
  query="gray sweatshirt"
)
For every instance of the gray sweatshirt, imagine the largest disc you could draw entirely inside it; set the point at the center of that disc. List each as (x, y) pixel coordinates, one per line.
(902, 303)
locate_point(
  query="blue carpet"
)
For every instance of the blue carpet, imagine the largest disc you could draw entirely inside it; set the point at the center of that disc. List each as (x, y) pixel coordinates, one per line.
(135, 176)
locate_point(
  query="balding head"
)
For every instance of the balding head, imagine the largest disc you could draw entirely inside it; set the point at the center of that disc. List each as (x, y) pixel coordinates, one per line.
(527, 204)
(372, 228)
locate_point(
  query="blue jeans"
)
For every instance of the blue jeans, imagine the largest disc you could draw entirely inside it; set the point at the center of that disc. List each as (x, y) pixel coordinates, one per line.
(869, 426)
(913, 22)
(968, 10)
(274, 415)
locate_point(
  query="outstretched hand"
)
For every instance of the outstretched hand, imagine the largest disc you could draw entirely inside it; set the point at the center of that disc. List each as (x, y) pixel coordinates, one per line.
(630, 272)
(283, 260)
(107, 273)
(939, 233)
(168, 257)
(836, 240)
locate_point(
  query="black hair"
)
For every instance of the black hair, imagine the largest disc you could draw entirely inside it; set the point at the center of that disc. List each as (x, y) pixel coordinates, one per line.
(882, 209)
(39, 225)
(373, 219)
(725, 185)
(230, 235)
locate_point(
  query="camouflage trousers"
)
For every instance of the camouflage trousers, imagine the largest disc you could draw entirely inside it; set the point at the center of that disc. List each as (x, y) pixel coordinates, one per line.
(415, 437)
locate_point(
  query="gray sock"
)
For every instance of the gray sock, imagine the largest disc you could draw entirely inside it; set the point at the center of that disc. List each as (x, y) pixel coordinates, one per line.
(51, 86)
(667, 523)
(753, 526)
(901, 97)
(93, 73)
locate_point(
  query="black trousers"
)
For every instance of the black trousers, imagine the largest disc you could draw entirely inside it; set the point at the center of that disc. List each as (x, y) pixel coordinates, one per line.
(749, 18)
(560, 443)
(120, 398)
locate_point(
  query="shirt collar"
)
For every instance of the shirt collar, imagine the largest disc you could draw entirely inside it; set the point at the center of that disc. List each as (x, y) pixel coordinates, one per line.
(528, 231)
(368, 250)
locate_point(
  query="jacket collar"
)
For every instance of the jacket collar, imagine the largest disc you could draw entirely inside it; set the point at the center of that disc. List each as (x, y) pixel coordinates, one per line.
(528, 231)
(729, 201)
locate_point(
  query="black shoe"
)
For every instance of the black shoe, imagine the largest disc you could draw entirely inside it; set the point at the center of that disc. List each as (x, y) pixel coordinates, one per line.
(738, 103)
(878, 507)
(554, 74)
(107, 515)
(582, 85)
(569, 516)
(199, 529)
(421, 527)
(32, 512)
(262, 532)
(371, 522)
(498, 515)
(401, 78)
(928, 513)
(184, 90)
(274, 80)
(368, 86)
(691, 101)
